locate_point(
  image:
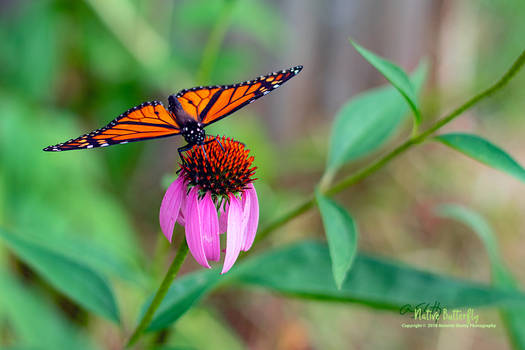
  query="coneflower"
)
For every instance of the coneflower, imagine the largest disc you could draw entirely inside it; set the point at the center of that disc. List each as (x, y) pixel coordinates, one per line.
(213, 194)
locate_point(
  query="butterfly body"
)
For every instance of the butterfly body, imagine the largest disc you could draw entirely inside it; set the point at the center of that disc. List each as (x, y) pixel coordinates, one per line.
(192, 130)
(188, 113)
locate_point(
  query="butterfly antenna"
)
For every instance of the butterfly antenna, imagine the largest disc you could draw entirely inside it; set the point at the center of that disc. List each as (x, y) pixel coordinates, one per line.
(219, 142)
(204, 151)
(216, 139)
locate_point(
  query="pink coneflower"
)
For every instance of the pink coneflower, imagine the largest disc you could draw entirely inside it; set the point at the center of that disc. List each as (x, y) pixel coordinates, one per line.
(213, 194)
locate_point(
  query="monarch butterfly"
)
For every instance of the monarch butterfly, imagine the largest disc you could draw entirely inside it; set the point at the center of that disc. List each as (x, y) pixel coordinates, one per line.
(189, 111)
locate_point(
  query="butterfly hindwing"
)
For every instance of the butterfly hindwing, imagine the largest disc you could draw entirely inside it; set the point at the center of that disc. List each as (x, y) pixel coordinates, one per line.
(212, 103)
(148, 121)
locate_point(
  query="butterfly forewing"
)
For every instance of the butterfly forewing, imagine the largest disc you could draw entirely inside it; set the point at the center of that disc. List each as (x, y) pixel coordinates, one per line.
(212, 103)
(205, 105)
(147, 121)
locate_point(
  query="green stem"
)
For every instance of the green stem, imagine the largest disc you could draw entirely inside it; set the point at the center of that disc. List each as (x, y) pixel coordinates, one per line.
(416, 139)
(504, 80)
(161, 292)
(210, 54)
(212, 48)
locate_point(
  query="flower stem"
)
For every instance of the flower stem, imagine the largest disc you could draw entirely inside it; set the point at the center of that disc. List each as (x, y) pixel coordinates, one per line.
(210, 54)
(416, 139)
(161, 292)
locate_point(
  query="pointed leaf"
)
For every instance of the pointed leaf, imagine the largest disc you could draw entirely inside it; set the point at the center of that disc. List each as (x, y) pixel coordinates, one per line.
(367, 121)
(394, 75)
(303, 270)
(476, 223)
(341, 234)
(484, 152)
(501, 276)
(72, 278)
(181, 296)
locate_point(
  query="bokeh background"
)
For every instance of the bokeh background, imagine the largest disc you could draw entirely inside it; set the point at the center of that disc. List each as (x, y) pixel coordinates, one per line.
(68, 67)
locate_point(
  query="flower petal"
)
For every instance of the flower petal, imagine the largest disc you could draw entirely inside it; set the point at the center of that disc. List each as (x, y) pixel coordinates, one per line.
(245, 204)
(253, 219)
(210, 232)
(170, 206)
(194, 228)
(223, 220)
(182, 213)
(234, 234)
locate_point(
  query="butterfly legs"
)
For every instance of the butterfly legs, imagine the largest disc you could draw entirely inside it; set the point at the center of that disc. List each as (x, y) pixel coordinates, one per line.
(183, 149)
(190, 146)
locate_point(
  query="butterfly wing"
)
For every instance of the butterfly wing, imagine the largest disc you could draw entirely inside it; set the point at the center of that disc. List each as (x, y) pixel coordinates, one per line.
(150, 120)
(212, 103)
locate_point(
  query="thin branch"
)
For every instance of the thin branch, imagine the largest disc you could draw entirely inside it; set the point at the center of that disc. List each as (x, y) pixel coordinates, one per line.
(415, 140)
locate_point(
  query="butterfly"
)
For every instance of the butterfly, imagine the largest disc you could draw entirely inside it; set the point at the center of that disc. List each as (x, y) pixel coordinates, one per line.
(189, 111)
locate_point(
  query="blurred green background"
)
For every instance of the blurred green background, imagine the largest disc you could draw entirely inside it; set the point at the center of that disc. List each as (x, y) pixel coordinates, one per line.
(68, 67)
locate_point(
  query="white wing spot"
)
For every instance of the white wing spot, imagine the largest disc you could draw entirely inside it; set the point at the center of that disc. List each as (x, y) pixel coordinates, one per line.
(89, 146)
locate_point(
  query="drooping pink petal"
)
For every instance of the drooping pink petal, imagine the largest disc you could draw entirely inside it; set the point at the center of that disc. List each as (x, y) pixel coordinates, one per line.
(170, 206)
(182, 213)
(210, 232)
(245, 204)
(234, 233)
(194, 226)
(253, 219)
(223, 219)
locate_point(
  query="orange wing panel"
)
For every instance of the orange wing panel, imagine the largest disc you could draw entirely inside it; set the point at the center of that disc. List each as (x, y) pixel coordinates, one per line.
(148, 121)
(210, 104)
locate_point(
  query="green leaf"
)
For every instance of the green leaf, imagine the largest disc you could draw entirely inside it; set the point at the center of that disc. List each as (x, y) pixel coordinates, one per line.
(303, 270)
(341, 234)
(484, 152)
(95, 230)
(476, 223)
(72, 278)
(395, 75)
(501, 276)
(367, 121)
(181, 296)
(514, 320)
(54, 235)
(36, 322)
